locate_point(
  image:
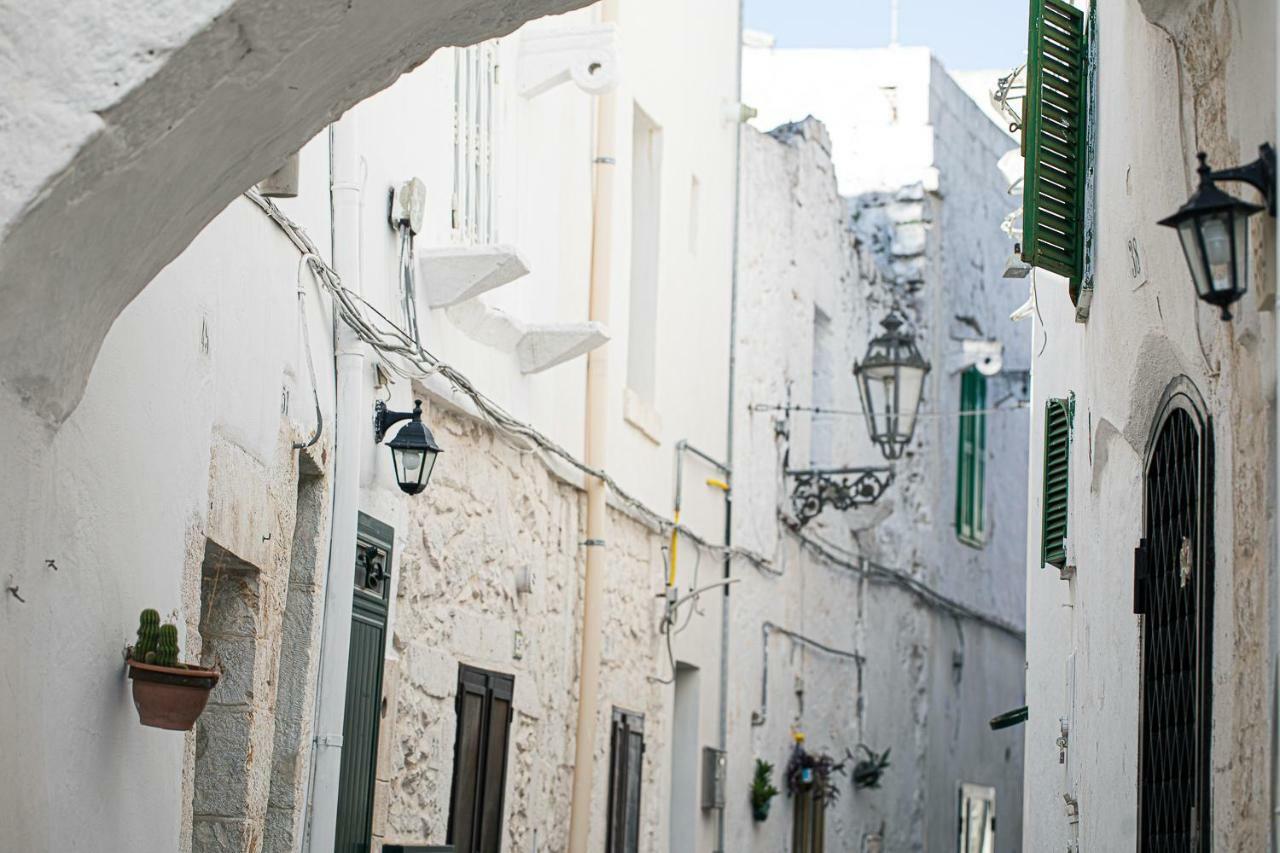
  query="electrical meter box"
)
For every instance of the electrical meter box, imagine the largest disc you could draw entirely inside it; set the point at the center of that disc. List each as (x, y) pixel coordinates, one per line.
(714, 762)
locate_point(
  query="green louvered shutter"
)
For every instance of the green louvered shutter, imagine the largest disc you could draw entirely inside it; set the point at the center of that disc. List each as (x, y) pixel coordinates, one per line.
(971, 473)
(1053, 140)
(1057, 462)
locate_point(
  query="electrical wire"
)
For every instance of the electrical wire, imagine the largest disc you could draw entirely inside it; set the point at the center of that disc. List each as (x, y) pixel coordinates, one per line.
(311, 367)
(823, 410)
(1035, 301)
(879, 573)
(406, 357)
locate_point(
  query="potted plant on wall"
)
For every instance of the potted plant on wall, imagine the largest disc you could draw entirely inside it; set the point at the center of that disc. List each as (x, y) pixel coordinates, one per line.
(167, 693)
(762, 790)
(807, 770)
(868, 769)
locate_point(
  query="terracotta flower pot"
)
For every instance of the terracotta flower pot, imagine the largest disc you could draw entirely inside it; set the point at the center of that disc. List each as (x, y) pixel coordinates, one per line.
(170, 697)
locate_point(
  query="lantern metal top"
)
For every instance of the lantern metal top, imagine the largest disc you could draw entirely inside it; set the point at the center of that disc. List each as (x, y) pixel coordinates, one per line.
(893, 348)
(415, 435)
(1208, 199)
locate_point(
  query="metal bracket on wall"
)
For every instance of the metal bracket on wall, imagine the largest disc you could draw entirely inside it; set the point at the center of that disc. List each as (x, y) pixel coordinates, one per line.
(840, 488)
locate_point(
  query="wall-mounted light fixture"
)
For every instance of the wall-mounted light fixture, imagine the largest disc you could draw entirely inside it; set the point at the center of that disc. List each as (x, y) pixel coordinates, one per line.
(413, 450)
(1214, 228)
(891, 383)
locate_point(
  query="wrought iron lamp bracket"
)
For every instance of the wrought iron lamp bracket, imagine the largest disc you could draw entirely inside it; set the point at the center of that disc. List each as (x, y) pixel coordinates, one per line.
(840, 488)
(384, 419)
(1260, 174)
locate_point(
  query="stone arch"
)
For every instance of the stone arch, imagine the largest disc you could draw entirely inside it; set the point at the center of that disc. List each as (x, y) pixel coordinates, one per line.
(149, 121)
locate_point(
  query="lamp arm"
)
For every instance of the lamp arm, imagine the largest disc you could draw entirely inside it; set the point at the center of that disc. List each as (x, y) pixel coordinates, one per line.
(384, 419)
(1260, 174)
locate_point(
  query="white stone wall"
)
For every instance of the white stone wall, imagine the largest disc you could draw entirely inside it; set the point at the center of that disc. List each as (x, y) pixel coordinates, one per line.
(1174, 77)
(183, 436)
(497, 510)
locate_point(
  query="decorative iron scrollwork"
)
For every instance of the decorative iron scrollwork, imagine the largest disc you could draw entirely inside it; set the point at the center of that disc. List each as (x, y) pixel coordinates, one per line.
(840, 488)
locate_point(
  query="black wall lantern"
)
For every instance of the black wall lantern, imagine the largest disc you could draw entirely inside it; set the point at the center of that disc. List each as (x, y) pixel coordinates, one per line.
(1214, 228)
(891, 383)
(413, 450)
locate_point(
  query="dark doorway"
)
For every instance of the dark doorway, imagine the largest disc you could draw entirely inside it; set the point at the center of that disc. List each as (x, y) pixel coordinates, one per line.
(480, 760)
(1173, 592)
(372, 579)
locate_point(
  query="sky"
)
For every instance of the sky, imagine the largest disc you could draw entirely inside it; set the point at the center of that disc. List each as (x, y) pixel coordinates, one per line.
(965, 34)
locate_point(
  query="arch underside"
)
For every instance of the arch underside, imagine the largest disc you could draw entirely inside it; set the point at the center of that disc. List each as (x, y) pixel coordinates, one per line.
(154, 118)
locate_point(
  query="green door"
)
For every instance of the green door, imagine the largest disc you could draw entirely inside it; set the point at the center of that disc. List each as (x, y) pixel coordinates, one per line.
(372, 579)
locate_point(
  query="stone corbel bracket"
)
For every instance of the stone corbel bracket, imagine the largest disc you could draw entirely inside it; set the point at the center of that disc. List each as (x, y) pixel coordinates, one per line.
(536, 346)
(455, 274)
(589, 56)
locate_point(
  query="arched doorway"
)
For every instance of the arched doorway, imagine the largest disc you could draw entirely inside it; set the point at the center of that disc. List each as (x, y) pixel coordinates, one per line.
(1173, 593)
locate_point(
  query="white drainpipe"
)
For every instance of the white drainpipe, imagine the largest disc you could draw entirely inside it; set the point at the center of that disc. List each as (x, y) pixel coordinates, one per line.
(352, 425)
(597, 402)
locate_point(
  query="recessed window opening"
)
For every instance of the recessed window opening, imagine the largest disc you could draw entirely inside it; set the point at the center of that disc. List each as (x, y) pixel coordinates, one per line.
(646, 176)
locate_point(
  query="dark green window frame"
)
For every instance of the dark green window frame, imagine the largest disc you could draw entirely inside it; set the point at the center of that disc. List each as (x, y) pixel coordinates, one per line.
(626, 771)
(1055, 493)
(971, 474)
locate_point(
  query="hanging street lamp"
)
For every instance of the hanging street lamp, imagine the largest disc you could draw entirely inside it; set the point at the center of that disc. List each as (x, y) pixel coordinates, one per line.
(1214, 228)
(413, 450)
(891, 383)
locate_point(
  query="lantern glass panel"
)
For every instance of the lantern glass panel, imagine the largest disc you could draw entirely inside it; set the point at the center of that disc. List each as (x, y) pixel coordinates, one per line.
(910, 388)
(413, 468)
(1215, 231)
(1189, 234)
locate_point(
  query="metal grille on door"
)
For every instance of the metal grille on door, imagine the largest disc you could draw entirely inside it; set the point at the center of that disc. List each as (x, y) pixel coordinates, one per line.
(1173, 587)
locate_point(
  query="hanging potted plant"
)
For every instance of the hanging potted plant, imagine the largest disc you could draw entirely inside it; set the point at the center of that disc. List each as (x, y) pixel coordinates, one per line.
(868, 769)
(167, 693)
(807, 771)
(762, 790)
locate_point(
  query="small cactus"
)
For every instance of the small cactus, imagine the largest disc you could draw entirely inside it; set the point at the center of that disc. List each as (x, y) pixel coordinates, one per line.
(148, 633)
(166, 652)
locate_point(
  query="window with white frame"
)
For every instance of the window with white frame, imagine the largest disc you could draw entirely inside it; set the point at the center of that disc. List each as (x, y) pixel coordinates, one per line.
(646, 200)
(977, 824)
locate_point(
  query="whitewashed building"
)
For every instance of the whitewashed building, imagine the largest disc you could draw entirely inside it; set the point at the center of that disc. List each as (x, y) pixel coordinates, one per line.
(1151, 543)
(841, 226)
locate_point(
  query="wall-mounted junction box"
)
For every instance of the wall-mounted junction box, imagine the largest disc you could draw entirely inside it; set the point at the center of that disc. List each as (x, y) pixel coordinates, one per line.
(714, 765)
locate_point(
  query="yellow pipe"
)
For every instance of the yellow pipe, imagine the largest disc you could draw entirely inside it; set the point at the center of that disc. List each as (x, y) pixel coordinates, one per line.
(717, 484)
(675, 539)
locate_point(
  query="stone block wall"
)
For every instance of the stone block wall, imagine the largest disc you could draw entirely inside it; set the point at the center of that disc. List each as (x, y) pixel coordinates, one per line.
(494, 509)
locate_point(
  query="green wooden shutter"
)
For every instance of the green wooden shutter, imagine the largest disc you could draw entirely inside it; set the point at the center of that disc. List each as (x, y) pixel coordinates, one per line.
(1054, 140)
(1057, 462)
(480, 760)
(626, 768)
(971, 473)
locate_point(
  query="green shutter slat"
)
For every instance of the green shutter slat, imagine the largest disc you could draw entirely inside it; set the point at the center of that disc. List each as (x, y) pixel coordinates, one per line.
(1053, 139)
(1055, 503)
